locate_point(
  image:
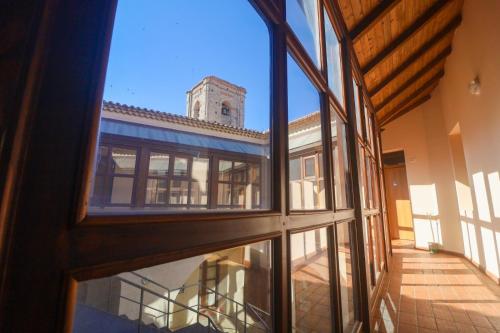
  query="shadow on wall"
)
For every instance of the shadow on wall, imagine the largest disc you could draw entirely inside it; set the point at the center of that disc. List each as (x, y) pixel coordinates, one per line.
(481, 228)
(479, 210)
(426, 221)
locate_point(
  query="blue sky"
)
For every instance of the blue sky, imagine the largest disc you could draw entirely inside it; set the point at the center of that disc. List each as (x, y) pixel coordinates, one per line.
(160, 49)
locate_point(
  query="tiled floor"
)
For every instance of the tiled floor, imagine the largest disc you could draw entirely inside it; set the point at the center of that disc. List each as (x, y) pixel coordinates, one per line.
(435, 293)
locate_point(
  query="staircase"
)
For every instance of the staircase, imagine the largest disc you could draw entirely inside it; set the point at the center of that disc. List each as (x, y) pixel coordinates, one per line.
(157, 316)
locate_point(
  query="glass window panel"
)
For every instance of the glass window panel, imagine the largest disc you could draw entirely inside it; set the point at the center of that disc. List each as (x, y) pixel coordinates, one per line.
(304, 134)
(123, 161)
(295, 168)
(156, 191)
(341, 171)
(224, 194)
(168, 297)
(185, 102)
(333, 58)
(302, 16)
(346, 275)
(254, 173)
(102, 160)
(225, 168)
(240, 172)
(158, 164)
(362, 177)
(180, 166)
(99, 191)
(178, 192)
(357, 107)
(310, 167)
(239, 194)
(311, 309)
(121, 192)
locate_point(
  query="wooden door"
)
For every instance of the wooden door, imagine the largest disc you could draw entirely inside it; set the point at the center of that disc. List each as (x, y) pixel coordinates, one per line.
(398, 203)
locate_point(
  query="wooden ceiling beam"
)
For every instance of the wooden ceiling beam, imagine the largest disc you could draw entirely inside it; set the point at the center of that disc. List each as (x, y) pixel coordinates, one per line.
(438, 59)
(429, 83)
(406, 35)
(406, 109)
(454, 23)
(373, 17)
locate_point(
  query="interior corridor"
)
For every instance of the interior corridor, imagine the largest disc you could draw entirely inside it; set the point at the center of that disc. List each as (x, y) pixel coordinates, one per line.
(426, 292)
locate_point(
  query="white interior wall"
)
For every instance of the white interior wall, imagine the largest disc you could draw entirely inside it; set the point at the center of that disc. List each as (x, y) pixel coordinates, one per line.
(424, 135)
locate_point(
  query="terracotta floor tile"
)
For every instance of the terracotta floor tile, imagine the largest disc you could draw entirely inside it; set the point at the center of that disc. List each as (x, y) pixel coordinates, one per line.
(435, 293)
(408, 318)
(404, 328)
(426, 322)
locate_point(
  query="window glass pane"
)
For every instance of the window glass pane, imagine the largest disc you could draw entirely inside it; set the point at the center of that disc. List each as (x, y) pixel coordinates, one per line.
(180, 166)
(311, 310)
(334, 63)
(302, 16)
(295, 168)
(304, 136)
(239, 194)
(199, 184)
(225, 168)
(121, 192)
(102, 160)
(208, 97)
(178, 192)
(158, 164)
(224, 194)
(362, 177)
(156, 191)
(341, 171)
(240, 172)
(123, 161)
(254, 173)
(357, 107)
(207, 293)
(346, 275)
(310, 167)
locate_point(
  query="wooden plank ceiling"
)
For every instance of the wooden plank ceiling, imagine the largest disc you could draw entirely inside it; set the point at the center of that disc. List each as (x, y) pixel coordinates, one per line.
(401, 46)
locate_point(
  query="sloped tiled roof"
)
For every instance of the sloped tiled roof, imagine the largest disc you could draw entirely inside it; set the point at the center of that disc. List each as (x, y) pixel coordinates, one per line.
(181, 120)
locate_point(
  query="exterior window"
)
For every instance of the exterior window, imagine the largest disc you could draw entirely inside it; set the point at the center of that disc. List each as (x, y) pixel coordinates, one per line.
(334, 63)
(357, 107)
(156, 188)
(238, 184)
(215, 292)
(346, 275)
(306, 184)
(362, 178)
(179, 135)
(302, 16)
(341, 170)
(115, 177)
(369, 129)
(310, 282)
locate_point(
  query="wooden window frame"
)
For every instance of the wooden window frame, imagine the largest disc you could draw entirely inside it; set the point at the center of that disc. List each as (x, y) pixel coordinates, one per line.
(60, 109)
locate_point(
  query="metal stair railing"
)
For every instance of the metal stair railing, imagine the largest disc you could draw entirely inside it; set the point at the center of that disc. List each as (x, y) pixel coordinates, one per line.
(211, 324)
(256, 311)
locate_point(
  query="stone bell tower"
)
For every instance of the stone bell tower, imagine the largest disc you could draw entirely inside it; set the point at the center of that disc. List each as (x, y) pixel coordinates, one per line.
(216, 100)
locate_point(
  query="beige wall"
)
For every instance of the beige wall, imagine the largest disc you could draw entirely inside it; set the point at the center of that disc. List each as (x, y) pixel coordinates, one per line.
(424, 134)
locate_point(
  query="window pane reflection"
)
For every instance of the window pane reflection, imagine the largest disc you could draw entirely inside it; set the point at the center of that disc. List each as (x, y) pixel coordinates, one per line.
(223, 291)
(341, 170)
(170, 114)
(346, 275)
(333, 60)
(311, 310)
(306, 183)
(302, 16)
